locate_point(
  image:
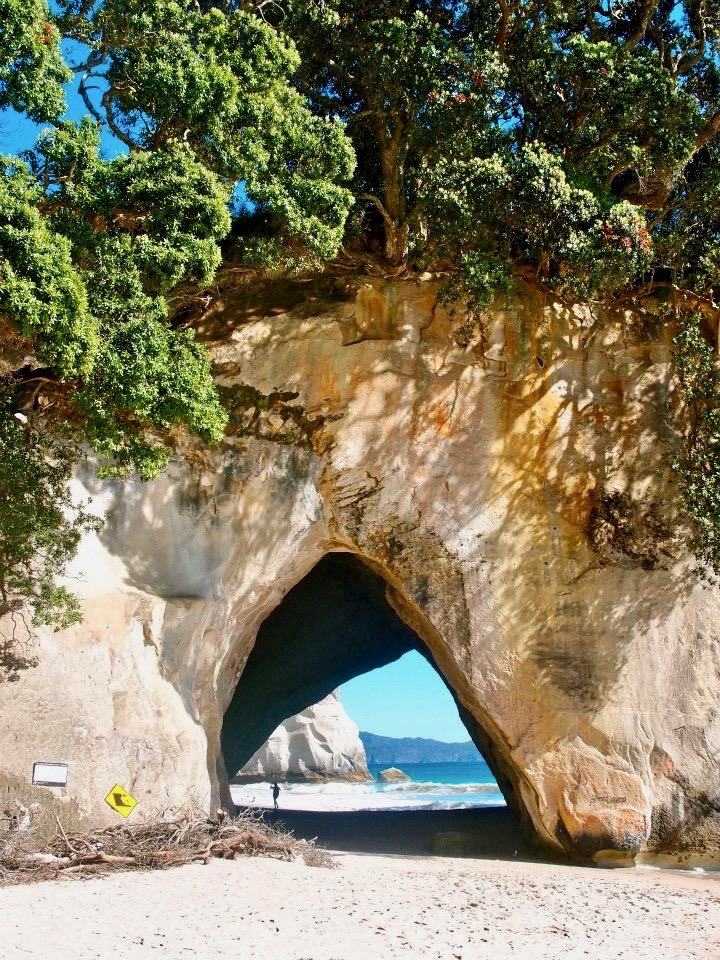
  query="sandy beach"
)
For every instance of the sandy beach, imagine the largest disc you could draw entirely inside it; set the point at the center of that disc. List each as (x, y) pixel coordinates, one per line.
(373, 905)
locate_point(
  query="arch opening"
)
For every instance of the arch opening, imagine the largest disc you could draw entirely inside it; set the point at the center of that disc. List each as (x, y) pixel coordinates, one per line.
(404, 700)
(334, 625)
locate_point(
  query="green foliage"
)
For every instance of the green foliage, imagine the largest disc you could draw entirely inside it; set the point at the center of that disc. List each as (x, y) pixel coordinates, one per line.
(145, 369)
(477, 283)
(521, 206)
(41, 292)
(40, 527)
(559, 136)
(698, 467)
(606, 105)
(32, 71)
(167, 211)
(125, 232)
(218, 80)
(408, 87)
(92, 249)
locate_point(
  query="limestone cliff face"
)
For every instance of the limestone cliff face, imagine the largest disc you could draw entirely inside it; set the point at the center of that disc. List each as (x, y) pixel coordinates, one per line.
(504, 494)
(321, 743)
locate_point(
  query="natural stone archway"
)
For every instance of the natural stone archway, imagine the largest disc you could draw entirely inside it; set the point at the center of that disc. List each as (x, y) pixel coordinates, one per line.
(336, 624)
(332, 626)
(510, 488)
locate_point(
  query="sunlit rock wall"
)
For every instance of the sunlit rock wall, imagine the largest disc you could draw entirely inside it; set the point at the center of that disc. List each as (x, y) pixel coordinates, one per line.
(510, 485)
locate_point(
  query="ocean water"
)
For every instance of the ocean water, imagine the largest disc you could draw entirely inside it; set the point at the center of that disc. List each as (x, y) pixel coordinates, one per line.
(433, 786)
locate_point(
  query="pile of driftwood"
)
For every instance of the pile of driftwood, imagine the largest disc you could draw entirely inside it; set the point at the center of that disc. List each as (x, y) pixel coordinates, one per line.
(149, 846)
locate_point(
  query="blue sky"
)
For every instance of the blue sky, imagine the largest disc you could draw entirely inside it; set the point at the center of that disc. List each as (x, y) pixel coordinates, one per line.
(405, 699)
(17, 133)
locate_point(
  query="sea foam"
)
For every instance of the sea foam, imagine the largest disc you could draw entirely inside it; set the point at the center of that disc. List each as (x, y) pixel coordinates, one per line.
(336, 796)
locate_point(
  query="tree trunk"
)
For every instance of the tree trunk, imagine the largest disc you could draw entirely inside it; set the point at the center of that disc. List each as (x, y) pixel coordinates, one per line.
(396, 243)
(393, 177)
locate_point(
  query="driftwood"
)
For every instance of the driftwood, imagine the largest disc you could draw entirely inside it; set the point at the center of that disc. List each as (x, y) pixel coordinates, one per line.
(153, 845)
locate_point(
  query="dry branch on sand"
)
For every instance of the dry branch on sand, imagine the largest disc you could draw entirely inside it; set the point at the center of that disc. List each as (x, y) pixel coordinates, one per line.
(153, 845)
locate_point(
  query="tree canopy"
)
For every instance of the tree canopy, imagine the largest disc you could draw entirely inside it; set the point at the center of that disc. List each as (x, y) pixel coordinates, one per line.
(91, 247)
(572, 142)
(578, 138)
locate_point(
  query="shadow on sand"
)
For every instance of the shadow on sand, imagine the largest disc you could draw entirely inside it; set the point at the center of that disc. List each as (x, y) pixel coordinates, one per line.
(492, 832)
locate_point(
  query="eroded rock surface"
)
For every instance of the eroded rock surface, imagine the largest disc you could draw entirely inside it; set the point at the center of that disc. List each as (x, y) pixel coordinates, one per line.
(392, 775)
(320, 743)
(509, 491)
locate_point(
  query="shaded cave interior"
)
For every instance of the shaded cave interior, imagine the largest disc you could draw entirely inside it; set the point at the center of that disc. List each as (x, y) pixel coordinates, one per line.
(334, 625)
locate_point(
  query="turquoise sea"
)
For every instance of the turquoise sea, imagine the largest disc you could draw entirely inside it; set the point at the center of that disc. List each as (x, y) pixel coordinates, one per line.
(444, 773)
(443, 785)
(433, 786)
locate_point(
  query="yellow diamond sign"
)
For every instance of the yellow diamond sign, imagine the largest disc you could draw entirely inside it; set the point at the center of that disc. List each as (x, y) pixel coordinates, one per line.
(121, 801)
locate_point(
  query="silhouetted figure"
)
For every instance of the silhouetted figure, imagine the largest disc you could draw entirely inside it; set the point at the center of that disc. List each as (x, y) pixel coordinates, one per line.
(275, 793)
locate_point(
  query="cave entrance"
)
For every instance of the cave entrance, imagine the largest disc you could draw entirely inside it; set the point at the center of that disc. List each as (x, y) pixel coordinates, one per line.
(333, 626)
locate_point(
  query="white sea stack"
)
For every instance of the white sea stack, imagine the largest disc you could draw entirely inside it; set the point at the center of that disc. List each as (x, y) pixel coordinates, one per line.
(321, 743)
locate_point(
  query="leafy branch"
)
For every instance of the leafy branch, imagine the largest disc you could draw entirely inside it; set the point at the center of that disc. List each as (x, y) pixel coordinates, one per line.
(698, 466)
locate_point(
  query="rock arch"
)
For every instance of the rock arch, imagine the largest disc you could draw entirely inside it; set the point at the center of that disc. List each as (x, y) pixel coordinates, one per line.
(342, 619)
(518, 512)
(335, 624)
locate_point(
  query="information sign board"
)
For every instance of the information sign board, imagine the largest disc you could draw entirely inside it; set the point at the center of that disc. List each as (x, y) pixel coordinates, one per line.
(50, 774)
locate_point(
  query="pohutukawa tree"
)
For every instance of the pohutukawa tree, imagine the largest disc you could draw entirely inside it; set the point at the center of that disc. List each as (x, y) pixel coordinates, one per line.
(574, 143)
(197, 102)
(578, 138)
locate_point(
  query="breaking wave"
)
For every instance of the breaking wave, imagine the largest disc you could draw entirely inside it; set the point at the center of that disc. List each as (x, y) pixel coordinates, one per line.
(336, 796)
(404, 786)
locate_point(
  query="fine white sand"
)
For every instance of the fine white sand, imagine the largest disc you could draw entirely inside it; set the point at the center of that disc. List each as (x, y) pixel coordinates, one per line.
(370, 907)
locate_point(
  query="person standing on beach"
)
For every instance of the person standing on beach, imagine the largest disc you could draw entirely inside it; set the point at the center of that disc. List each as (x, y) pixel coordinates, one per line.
(275, 793)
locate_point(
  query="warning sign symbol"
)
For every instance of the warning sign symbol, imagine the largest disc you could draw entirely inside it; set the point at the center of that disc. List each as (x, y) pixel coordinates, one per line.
(121, 801)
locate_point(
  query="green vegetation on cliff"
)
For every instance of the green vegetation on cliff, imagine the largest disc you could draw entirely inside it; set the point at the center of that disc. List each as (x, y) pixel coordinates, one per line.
(572, 143)
(574, 138)
(91, 248)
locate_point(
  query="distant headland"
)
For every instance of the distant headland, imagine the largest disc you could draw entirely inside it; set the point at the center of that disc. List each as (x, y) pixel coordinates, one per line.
(390, 750)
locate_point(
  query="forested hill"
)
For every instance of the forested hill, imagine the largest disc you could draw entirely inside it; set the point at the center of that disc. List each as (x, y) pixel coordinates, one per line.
(416, 750)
